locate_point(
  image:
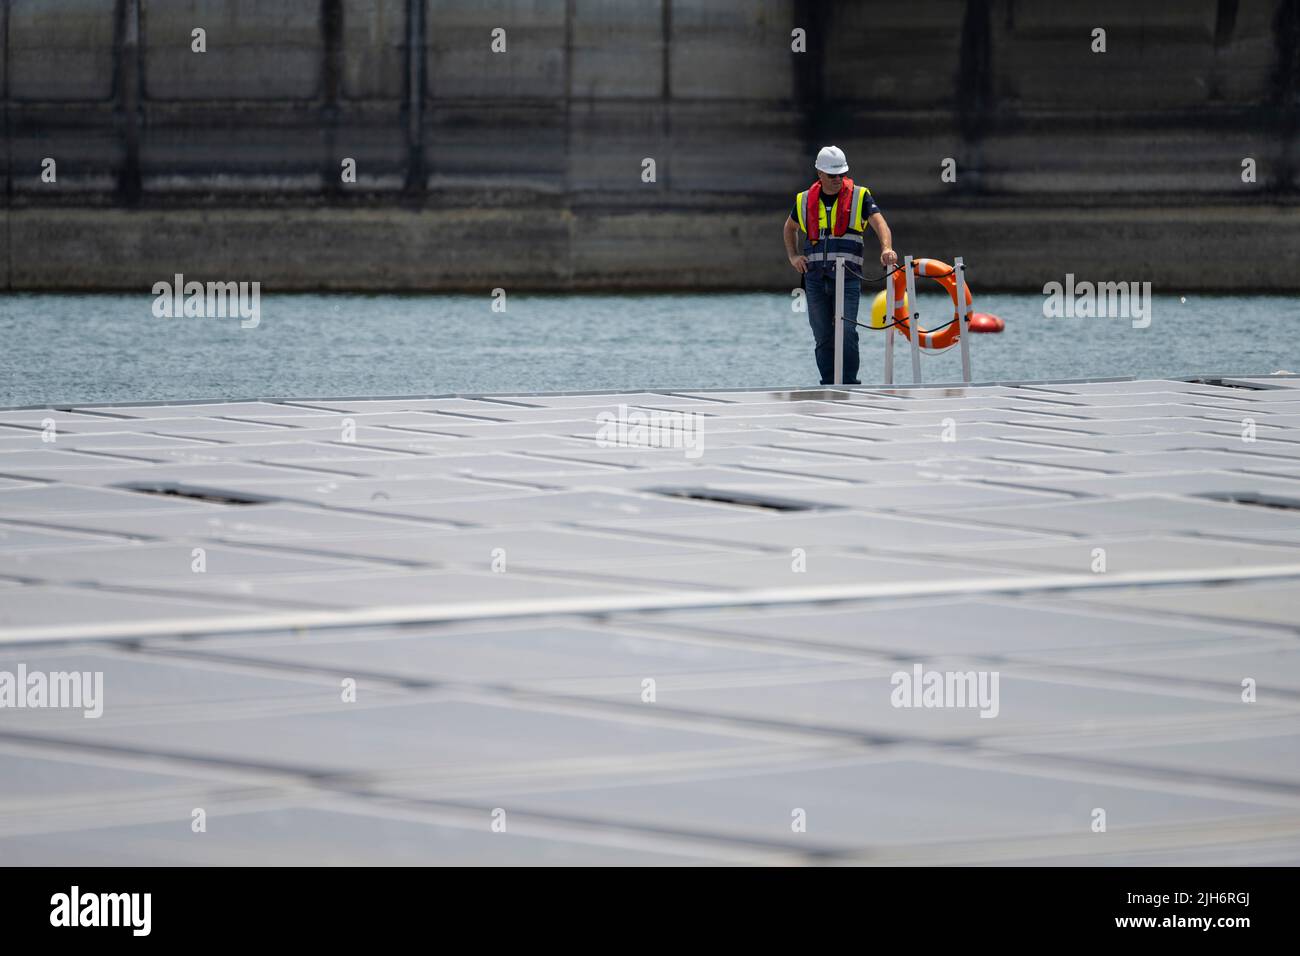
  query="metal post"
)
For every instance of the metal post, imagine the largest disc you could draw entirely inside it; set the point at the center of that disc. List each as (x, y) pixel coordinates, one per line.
(889, 335)
(912, 324)
(839, 321)
(963, 326)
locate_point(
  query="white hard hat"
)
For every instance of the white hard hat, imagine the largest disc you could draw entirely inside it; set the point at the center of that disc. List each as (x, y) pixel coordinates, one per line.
(831, 160)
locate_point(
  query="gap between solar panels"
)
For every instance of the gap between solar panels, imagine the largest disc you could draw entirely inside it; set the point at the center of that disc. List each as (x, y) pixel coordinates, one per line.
(1230, 383)
(1253, 498)
(742, 499)
(215, 496)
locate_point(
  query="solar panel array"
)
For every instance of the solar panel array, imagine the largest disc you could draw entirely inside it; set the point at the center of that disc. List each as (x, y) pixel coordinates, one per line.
(658, 627)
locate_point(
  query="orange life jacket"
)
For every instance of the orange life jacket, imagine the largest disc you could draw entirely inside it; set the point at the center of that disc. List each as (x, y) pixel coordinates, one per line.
(843, 199)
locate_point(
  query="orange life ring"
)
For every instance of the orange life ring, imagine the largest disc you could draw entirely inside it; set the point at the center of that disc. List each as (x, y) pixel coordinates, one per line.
(943, 274)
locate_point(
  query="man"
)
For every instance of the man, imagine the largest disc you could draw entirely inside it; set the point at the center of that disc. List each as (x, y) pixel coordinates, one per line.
(833, 214)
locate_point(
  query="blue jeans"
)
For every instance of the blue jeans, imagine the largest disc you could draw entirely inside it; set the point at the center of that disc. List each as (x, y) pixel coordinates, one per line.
(820, 296)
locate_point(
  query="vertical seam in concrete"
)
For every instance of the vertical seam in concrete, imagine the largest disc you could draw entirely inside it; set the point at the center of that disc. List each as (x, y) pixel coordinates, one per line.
(665, 61)
(331, 25)
(568, 86)
(1225, 24)
(126, 57)
(569, 9)
(808, 73)
(974, 86)
(666, 91)
(1286, 82)
(416, 176)
(9, 158)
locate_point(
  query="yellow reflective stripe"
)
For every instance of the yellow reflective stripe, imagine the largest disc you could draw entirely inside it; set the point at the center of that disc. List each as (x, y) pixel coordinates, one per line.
(858, 194)
(801, 204)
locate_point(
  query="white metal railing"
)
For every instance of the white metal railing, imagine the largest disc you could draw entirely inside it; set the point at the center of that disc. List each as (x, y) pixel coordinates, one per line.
(963, 312)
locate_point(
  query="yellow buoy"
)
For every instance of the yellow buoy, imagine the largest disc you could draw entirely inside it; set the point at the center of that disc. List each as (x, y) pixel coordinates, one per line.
(878, 310)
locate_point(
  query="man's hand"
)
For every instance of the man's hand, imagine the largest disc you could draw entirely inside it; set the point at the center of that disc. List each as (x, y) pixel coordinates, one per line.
(888, 258)
(800, 263)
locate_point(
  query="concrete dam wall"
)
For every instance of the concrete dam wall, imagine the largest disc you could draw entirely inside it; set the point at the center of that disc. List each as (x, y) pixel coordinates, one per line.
(642, 144)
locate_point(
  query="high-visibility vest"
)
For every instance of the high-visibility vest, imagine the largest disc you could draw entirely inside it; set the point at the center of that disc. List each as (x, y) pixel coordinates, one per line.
(821, 255)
